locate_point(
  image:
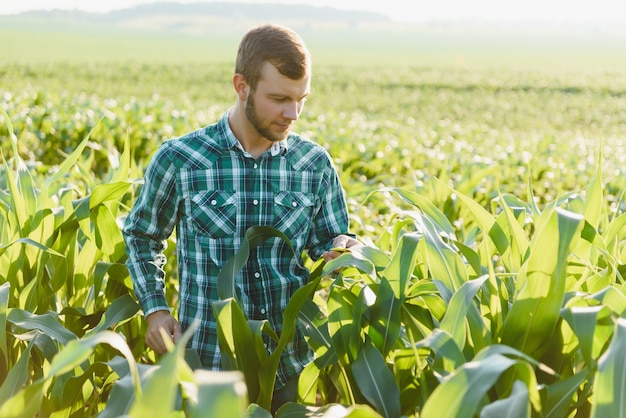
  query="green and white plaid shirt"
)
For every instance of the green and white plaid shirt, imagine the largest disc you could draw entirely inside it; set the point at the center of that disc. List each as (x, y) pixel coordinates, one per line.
(207, 187)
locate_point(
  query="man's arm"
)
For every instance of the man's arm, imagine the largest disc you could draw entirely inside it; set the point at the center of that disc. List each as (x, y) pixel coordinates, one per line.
(150, 222)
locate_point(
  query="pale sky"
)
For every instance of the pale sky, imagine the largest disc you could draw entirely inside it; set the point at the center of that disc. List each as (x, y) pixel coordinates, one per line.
(403, 10)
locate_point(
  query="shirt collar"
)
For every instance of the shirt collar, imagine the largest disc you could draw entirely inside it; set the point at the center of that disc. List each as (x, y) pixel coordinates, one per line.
(229, 140)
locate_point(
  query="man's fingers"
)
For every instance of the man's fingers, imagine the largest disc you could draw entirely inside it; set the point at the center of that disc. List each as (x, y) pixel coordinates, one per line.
(157, 323)
(178, 332)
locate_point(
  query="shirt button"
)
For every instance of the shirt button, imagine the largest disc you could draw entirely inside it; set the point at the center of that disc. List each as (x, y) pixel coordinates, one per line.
(294, 203)
(214, 202)
(255, 165)
(257, 274)
(255, 202)
(263, 311)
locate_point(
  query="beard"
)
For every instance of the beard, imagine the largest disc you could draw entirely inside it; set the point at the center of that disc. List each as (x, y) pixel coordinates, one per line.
(263, 129)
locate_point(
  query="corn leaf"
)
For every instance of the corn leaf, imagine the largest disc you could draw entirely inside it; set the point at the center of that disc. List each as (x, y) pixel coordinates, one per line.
(219, 394)
(461, 394)
(68, 163)
(376, 382)
(540, 288)
(160, 388)
(24, 404)
(399, 271)
(17, 376)
(610, 380)
(237, 343)
(4, 305)
(385, 320)
(269, 365)
(515, 406)
(561, 396)
(47, 323)
(454, 321)
(444, 263)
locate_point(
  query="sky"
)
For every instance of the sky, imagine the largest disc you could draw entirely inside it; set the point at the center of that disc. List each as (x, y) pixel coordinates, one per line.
(401, 10)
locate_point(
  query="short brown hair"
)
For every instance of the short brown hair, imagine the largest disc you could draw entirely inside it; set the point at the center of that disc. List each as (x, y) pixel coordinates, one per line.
(278, 45)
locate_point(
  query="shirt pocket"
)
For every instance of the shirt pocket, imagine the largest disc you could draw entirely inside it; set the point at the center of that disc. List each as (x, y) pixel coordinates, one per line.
(214, 213)
(293, 212)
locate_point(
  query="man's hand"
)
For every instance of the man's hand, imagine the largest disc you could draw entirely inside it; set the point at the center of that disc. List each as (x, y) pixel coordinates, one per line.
(161, 320)
(341, 242)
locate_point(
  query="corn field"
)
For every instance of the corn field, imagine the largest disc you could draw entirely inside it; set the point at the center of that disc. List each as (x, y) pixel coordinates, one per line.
(491, 282)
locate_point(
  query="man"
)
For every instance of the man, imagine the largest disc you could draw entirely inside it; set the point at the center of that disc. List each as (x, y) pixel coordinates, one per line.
(211, 185)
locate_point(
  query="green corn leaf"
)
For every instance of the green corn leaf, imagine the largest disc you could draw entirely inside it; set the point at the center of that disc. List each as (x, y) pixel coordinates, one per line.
(343, 325)
(269, 366)
(237, 343)
(428, 208)
(16, 377)
(610, 380)
(583, 321)
(108, 192)
(541, 284)
(122, 394)
(24, 404)
(561, 396)
(5, 288)
(454, 321)
(219, 394)
(611, 235)
(315, 327)
(399, 271)
(16, 200)
(160, 387)
(376, 382)
(308, 382)
(119, 311)
(294, 410)
(444, 263)
(518, 243)
(460, 394)
(77, 351)
(612, 299)
(349, 259)
(515, 406)
(107, 233)
(485, 221)
(46, 323)
(594, 197)
(69, 162)
(122, 172)
(385, 320)
(446, 351)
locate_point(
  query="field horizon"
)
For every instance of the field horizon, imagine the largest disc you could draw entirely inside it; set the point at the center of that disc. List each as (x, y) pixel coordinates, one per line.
(158, 35)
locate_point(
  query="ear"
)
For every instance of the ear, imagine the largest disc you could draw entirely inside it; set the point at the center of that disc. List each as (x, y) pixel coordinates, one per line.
(241, 86)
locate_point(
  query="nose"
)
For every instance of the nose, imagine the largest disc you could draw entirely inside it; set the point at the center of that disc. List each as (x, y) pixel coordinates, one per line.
(292, 111)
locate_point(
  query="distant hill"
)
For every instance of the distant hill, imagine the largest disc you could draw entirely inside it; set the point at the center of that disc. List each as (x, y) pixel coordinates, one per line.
(170, 31)
(211, 17)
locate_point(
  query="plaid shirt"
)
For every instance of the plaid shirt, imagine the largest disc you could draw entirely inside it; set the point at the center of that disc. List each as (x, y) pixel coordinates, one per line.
(207, 187)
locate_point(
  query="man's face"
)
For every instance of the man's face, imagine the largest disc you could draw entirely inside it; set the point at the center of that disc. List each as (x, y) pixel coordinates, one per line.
(276, 103)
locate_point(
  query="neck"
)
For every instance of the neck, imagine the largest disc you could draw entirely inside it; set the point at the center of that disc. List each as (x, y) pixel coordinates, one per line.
(245, 133)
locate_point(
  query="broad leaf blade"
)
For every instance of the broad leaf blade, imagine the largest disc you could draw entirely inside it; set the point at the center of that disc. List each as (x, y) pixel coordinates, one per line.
(376, 382)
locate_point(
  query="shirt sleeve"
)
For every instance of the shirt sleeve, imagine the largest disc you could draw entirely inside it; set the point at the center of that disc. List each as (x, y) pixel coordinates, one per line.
(149, 223)
(332, 218)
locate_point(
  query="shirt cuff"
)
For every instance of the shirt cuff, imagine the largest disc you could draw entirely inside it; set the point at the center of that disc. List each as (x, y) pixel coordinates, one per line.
(153, 302)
